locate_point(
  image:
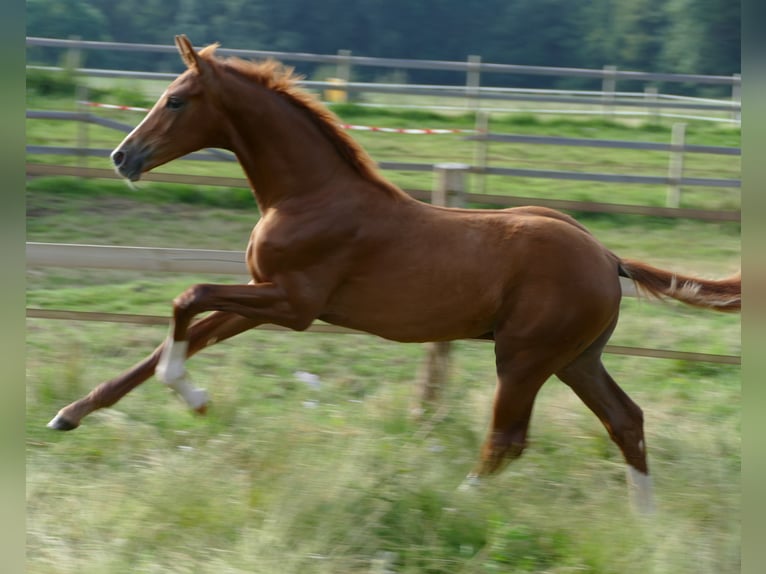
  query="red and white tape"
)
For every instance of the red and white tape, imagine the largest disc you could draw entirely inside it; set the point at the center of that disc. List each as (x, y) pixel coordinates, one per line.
(405, 130)
(413, 131)
(114, 107)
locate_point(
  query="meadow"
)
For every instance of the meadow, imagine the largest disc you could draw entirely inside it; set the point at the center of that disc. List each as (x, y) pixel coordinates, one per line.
(337, 476)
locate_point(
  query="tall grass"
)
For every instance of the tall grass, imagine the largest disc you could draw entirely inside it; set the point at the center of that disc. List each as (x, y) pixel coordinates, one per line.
(283, 477)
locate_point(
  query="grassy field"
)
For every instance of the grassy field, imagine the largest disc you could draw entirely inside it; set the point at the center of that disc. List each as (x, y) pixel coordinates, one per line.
(284, 477)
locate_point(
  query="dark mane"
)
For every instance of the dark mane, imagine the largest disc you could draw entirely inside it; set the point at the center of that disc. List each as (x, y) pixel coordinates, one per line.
(281, 79)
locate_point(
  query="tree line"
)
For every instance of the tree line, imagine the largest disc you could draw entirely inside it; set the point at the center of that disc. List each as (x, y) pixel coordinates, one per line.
(678, 36)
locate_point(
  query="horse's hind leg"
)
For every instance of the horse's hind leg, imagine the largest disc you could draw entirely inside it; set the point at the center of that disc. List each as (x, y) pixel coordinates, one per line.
(519, 377)
(622, 418)
(214, 328)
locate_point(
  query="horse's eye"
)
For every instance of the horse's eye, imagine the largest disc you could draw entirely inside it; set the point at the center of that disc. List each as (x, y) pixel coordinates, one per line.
(174, 103)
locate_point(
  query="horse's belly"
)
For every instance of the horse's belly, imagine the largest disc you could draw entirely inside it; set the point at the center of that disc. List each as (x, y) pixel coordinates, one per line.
(414, 313)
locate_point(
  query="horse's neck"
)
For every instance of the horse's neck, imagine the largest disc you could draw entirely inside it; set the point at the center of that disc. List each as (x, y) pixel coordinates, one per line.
(280, 147)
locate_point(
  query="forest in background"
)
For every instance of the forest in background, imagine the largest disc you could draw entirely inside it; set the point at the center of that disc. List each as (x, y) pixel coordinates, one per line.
(676, 36)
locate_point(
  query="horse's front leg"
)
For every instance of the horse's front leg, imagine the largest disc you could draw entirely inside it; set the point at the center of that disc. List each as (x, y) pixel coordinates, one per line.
(214, 328)
(258, 302)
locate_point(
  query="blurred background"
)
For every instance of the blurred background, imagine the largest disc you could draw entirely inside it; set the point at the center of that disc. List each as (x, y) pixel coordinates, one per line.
(672, 36)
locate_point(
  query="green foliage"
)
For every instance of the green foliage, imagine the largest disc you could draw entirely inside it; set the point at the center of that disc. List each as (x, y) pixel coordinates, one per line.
(67, 18)
(690, 20)
(46, 83)
(699, 36)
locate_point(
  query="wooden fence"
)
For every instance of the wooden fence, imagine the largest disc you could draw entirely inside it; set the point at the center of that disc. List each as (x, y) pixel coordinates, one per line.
(673, 181)
(608, 99)
(217, 262)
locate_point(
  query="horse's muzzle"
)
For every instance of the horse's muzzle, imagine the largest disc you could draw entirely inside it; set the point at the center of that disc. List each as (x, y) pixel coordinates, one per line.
(128, 165)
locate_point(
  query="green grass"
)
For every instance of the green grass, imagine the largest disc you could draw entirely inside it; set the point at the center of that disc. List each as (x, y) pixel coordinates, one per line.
(280, 477)
(266, 484)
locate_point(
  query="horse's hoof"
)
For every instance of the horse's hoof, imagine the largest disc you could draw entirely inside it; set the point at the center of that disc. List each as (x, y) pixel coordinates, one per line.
(60, 423)
(471, 483)
(201, 410)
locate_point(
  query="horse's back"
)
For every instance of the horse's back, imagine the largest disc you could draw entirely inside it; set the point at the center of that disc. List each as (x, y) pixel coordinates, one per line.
(547, 212)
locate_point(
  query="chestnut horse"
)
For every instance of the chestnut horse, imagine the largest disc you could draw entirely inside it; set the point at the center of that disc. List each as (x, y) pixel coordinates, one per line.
(338, 242)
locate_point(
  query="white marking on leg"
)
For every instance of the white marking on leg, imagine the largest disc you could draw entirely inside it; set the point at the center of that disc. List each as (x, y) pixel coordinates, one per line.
(171, 367)
(171, 371)
(640, 491)
(195, 397)
(470, 483)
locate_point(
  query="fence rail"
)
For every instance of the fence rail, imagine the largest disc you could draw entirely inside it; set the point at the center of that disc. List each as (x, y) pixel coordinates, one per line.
(345, 57)
(407, 166)
(221, 262)
(602, 143)
(43, 170)
(650, 102)
(674, 179)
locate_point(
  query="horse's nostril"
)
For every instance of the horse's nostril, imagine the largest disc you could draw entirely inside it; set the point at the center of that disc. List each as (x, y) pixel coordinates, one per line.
(118, 158)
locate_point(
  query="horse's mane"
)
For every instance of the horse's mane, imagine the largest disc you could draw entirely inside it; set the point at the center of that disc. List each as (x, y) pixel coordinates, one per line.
(281, 79)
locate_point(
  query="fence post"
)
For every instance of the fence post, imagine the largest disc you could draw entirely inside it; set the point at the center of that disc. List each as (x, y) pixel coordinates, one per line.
(73, 56)
(481, 151)
(608, 88)
(449, 191)
(676, 164)
(473, 82)
(736, 96)
(72, 65)
(343, 70)
(652, 108)
(83, 127)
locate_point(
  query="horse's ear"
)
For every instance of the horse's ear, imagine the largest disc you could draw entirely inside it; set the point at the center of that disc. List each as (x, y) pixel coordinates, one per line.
(188, 55)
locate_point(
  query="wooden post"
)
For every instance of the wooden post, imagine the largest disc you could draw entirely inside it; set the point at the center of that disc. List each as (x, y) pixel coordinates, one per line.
(343, 69)
(481, 151)
(608, 88)
(473, 81)
(73, 63)
(676, 165)
(652, 109)
(73, 57)
(449, 184)
(449, 191)
(83, 127)
(736, 96)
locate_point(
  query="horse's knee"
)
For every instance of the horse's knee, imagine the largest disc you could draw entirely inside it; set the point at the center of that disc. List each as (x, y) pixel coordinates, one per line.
(186, 301)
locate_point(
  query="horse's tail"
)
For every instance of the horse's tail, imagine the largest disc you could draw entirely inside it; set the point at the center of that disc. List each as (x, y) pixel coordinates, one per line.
(720, 295)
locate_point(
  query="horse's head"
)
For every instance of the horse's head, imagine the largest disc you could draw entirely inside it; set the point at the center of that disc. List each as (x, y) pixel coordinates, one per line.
(183, 120)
